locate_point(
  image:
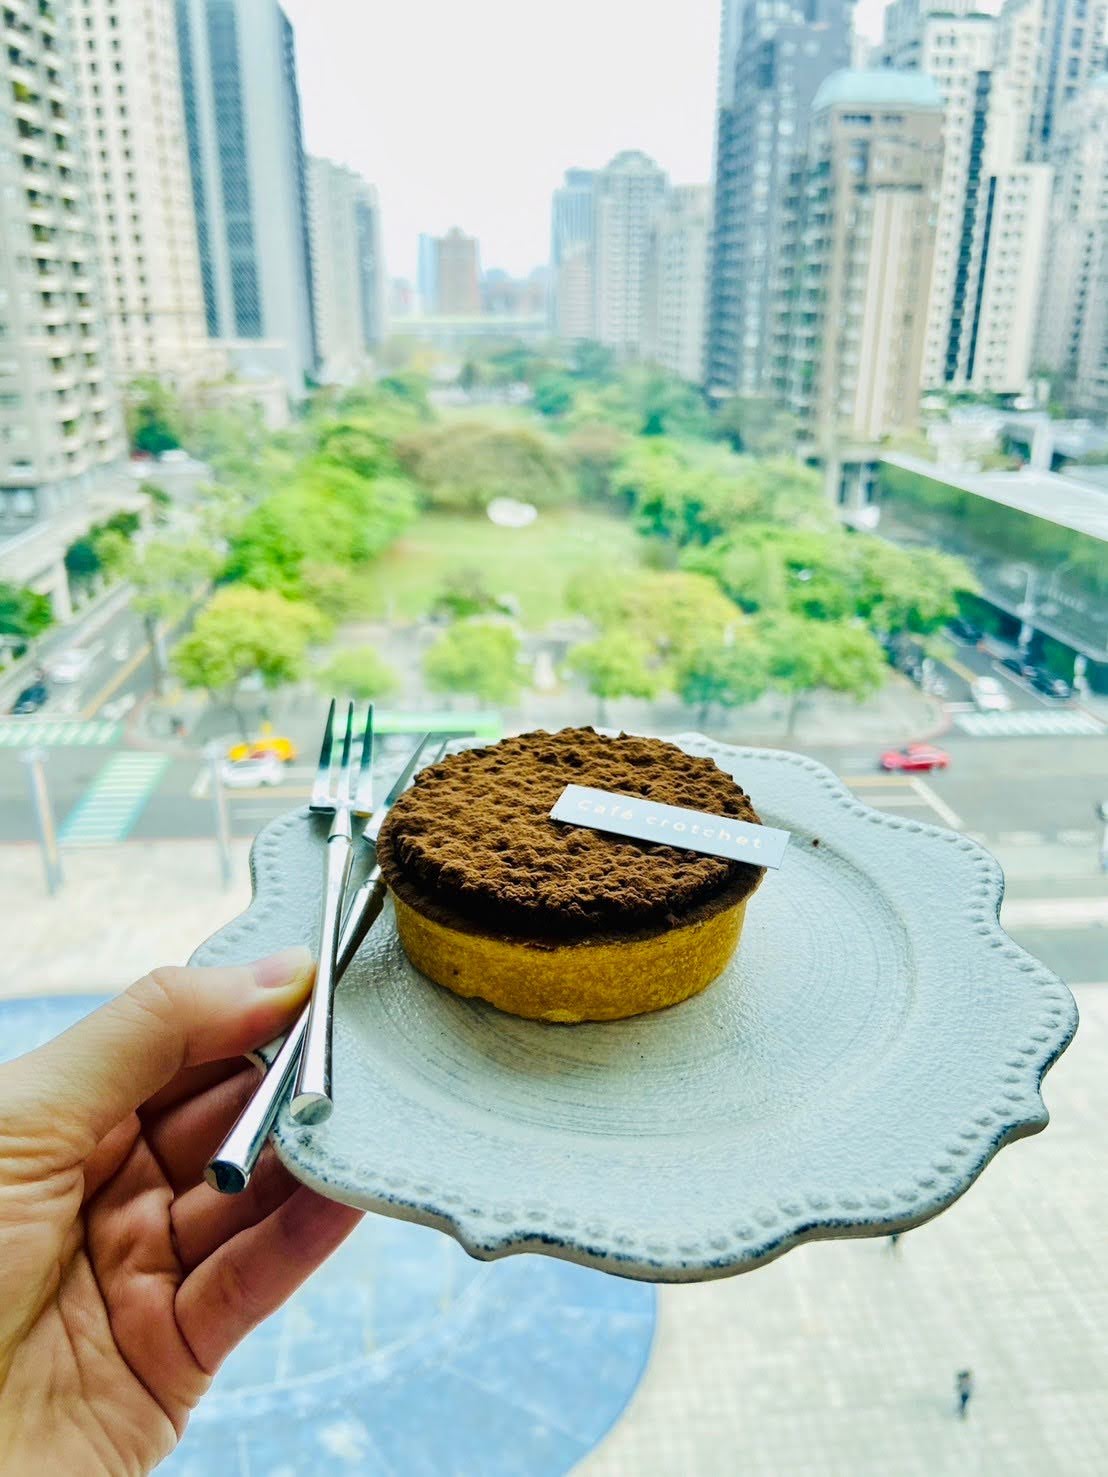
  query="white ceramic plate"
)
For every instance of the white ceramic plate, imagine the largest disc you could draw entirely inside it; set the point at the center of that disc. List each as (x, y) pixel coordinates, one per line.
(875, 1040)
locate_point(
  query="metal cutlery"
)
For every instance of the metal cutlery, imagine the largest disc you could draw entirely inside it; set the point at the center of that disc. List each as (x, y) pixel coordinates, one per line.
(231, 1166)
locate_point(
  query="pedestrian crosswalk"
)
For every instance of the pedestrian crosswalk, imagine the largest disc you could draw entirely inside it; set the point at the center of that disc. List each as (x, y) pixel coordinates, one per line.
(1030, 723)
(34, 733)
(114, 801)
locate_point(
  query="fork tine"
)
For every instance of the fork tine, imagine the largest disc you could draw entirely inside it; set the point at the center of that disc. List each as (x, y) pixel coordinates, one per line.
(321, 789)
(363, 801)
(343, 792)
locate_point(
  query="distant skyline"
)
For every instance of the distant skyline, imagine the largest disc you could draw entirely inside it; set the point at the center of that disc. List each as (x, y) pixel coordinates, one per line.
(469, 115)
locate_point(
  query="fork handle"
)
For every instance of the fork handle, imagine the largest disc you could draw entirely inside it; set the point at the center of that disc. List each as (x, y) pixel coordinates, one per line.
(311, 1097)
(232, 1164)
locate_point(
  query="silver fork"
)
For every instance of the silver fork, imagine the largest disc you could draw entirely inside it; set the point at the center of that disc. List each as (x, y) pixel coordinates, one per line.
(231, 1166)
(331, 794)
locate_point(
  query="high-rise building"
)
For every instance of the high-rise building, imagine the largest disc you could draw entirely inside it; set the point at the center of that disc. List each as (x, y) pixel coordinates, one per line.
(774, 55)
(457, 274)
(677, 282)
(136, 155)
(425, 273)
(849, 346)
(1073, 321)
(1070, 52)
(347, 269)
(629, 192)
(249, 182)
(992, 202)
(60, 420)
(572, 247)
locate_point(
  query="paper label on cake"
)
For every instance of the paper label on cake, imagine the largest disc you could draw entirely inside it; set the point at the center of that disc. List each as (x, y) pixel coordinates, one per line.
(646, 820)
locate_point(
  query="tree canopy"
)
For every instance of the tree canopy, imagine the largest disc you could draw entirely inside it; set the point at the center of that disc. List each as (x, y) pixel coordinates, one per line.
(357, 672)
(477, 657)
(23, 612)
(616, 664)
(464, 465)
(244, 631)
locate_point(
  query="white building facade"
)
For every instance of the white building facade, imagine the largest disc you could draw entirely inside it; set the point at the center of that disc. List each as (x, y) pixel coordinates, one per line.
(629, 193)
(677, 282)
(347, 269)
(61, 429)
(129, 90)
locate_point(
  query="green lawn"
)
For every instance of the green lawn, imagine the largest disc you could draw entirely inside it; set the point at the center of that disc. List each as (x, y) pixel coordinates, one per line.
(532, 563)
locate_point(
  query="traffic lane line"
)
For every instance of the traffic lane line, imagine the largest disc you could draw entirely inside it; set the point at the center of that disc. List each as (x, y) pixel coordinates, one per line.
(948, 816)
(1060, 912)
(128, 669)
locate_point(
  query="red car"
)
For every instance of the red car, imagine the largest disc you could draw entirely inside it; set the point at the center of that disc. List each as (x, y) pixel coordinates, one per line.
(915, 756)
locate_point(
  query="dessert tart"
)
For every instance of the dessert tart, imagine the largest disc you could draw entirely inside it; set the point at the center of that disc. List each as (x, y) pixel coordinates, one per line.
(560, 922)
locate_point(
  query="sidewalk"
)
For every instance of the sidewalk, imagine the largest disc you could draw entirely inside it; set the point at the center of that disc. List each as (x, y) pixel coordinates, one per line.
(122, 910)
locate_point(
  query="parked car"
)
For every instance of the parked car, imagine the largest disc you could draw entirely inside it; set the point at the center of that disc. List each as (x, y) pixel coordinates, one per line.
(966, 631)
(251, 771)
(1020, 666)
(279, 747)
(990, 696)
(70, 666)
(31, 699)
(1050, 686)
(915, 757)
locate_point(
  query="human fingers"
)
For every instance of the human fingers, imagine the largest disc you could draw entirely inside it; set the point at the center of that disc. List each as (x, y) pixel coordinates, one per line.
(184, 1138)
(203, 1219)
(250, 1276)
(84, 1082)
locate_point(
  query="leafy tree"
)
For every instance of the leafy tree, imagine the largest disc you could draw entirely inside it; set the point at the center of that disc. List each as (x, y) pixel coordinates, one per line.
(616, 664)
(666, 405)
(244, 631)
(327, 516)
(553, 395)
(765, 567)
(909, 589)
(469, 376)
(757, 425)
(82, 561)
(160, 500)
(465, 593)
(358, 673)
(477, 657)
(593, 362)
(803, 655)
(166, 576)
(594, 451)
(24, 612)
(729, 675)
(466, 464)
(672, 611)
(154, 418)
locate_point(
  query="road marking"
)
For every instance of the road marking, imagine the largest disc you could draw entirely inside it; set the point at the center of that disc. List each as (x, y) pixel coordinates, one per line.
(115, 799)
(864, 781)
(18, 733)
(1055, 912)
(1030, 723)
(949, 817)
(880, 801)
(116, 680)
(1077, 838)
(963, 671)
(1020, 838)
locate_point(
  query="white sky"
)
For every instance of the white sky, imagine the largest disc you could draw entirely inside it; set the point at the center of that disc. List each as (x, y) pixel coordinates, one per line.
(468, 112)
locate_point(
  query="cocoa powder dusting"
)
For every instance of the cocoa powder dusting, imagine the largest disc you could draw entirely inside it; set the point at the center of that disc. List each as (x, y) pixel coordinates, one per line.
(472, 841)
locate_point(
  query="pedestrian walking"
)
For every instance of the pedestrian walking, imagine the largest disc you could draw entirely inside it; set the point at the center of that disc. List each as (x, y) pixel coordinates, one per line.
(963, 1385)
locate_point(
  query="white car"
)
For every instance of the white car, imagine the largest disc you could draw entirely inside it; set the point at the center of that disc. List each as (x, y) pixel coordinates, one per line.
(70, 666)
(254, 770)
(989, 696)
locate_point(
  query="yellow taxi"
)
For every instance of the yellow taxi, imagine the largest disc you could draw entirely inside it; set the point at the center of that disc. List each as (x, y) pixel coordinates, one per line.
(267, 743)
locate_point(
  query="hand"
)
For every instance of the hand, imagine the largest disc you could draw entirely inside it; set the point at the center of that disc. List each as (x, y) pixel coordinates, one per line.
(124, 1280)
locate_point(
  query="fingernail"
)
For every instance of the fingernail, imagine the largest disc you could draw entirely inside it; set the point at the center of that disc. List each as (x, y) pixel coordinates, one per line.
(282, 969)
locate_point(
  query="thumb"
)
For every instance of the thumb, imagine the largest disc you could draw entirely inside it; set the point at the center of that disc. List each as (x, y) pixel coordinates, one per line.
(92, 1076)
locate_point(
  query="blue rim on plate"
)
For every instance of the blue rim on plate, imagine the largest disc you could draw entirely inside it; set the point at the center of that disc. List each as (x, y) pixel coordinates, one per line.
(875, 1040)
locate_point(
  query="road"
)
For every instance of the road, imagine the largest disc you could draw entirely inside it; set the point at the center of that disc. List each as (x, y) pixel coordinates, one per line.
(1031, 801)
